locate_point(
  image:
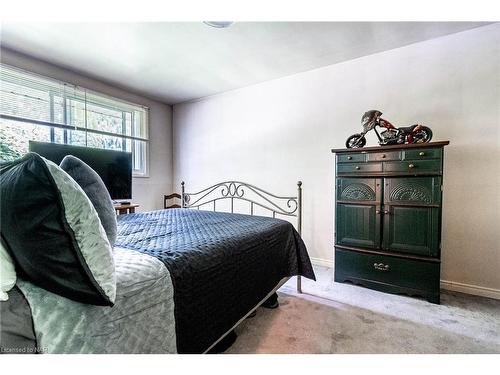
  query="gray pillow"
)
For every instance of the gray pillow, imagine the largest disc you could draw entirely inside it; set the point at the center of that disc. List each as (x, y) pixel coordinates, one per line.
(17, 335)
(95, 189)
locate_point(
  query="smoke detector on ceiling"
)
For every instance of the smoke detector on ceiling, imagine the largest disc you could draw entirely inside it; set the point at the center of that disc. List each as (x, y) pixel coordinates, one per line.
(219, 24)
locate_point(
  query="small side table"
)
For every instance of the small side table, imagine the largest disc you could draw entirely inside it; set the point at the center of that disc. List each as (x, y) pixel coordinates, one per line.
(122, 209)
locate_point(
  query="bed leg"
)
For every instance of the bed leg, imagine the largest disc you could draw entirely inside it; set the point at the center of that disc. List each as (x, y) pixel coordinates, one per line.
(299, 225)
(299, 285)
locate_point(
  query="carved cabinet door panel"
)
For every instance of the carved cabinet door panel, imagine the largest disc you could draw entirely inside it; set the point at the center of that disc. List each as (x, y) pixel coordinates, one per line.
(417, 191)
(411, 221)
(358, 212)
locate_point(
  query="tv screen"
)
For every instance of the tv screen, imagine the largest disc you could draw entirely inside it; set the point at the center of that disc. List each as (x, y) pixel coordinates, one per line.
(114, 167)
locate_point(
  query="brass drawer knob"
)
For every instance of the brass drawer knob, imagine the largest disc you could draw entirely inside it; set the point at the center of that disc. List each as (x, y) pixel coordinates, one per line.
(383, 156)
(381, 267)
(349, 158)
(358, 167)
(421, 153)
(411, 166)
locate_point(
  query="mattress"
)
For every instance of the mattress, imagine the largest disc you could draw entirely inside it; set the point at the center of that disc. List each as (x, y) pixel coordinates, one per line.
(221, 264)
(184, 279)
(141, 321)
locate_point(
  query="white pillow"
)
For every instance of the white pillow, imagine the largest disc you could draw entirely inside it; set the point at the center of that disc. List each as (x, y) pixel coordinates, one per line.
(7, 273)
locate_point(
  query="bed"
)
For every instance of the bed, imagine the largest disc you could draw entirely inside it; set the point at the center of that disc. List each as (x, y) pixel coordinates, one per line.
(186, 277)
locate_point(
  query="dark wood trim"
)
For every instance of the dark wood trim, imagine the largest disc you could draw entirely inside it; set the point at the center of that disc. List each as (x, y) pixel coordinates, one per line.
(384, 253)
(387, 174)
(173, 195)
(412, 204)
(390, 288)
(363, 203)
(379, 203)
(392, 147)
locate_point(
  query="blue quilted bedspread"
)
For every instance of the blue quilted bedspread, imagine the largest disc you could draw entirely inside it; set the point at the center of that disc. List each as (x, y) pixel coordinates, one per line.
(221, 264)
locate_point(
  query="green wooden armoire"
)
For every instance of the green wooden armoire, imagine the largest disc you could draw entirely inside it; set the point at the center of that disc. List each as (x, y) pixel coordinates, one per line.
(388, 218)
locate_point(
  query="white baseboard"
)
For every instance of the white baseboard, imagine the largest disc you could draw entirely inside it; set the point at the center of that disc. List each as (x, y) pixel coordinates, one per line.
(445, 284)
(470, 289)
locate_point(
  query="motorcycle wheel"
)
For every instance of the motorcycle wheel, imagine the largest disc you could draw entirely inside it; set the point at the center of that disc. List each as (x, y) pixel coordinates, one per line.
(423, 135)
(355, 141)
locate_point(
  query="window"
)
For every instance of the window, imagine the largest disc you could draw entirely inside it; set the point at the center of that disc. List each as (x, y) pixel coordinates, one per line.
(37, 108)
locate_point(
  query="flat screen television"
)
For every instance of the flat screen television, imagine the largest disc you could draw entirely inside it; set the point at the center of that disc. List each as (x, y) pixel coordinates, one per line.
(114, 167)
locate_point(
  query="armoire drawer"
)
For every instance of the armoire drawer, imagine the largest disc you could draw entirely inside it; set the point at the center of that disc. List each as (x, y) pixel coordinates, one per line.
(414, 166)
(383, 270)
(359, 168)
(422, 154)
(351, 158)
(383, 156)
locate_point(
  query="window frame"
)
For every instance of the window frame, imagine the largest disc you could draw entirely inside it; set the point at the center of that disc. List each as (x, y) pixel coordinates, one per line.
(96, 98)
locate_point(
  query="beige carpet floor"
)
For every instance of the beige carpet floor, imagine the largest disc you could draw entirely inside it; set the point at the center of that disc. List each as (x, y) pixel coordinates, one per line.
(342, 318)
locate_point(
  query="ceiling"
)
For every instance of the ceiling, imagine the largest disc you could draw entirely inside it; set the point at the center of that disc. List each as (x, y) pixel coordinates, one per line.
(179, 61)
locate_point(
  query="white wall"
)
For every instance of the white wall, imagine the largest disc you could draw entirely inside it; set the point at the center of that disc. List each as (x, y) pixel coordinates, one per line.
(275, 133)
(147, 191)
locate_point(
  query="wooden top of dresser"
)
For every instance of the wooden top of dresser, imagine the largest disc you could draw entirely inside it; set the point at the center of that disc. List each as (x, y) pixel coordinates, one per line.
(392, 147)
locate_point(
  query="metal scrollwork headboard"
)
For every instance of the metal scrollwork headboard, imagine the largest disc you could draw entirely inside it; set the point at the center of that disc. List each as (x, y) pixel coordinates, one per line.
(257, 197)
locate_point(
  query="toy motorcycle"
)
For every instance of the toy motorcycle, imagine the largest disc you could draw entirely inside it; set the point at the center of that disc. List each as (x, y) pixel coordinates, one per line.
(390, 136)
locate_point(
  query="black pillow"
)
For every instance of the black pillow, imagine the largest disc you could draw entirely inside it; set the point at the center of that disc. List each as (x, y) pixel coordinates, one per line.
(53, 232)
(95, 189)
